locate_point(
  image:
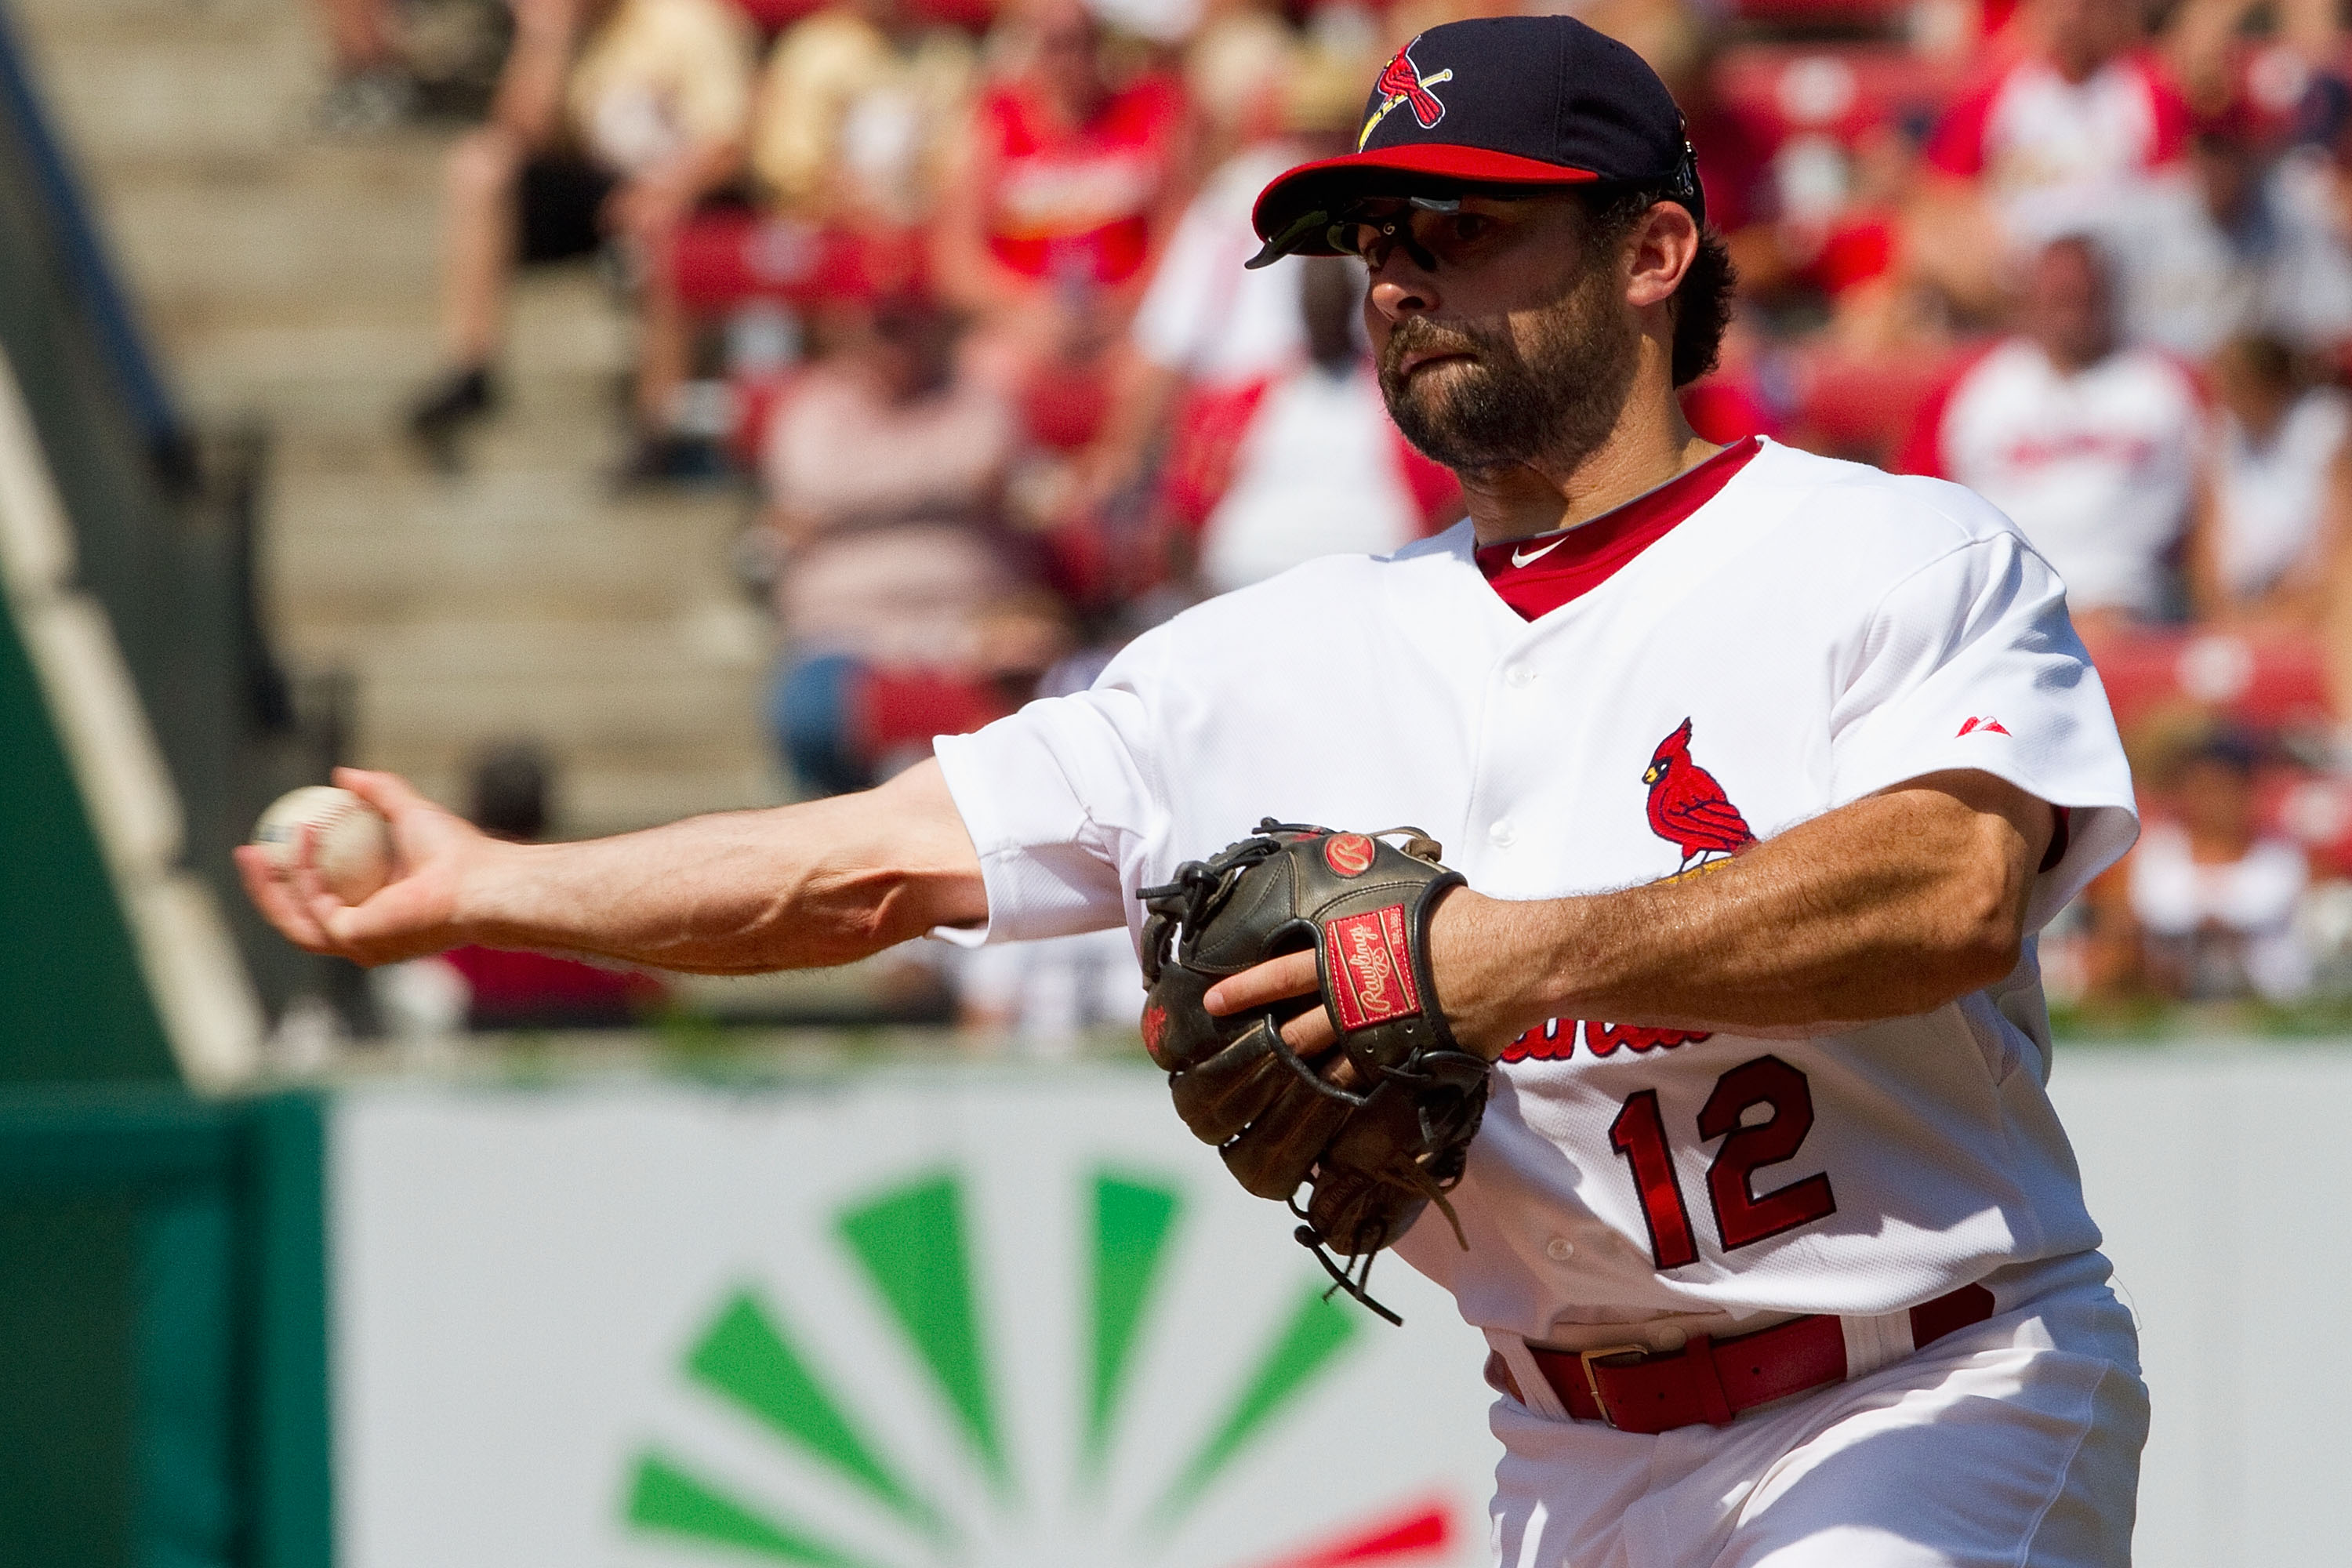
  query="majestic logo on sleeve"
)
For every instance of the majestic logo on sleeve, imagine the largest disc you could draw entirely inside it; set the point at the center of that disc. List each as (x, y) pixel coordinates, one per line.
(1987, 725)
(1688, 809)
(1401, 81)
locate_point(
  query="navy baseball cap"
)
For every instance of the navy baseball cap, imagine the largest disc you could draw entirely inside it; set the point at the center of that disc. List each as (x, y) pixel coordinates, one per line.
(1493, 103)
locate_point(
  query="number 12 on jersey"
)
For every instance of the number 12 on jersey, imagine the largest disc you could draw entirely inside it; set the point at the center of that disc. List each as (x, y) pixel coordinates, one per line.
(1741, 1217)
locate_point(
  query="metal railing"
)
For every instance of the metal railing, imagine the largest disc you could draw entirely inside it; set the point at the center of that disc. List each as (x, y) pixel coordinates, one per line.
(165, 520)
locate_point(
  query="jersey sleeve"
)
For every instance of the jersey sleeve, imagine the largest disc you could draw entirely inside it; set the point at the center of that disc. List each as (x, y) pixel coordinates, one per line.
(1971, 662)
(1059, 805)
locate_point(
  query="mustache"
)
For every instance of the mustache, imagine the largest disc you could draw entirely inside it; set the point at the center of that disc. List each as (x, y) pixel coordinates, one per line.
(1419, 335)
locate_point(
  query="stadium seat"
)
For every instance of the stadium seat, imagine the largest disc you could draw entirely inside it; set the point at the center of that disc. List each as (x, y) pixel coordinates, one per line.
(2275, 681)
(1873, 15)
(1862, 407)
(1779, 90)
(973, 16)
(726, 258)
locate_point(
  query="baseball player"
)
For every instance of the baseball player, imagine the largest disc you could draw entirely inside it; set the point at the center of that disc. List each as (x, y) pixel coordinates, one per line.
(1763, 771)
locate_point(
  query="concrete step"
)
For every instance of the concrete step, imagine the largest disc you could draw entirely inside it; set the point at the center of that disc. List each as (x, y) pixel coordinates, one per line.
(627, 658)
(347, 370)
(223, 241)
(294, 277)
(538, 545)
(75, 16)
(161, 100)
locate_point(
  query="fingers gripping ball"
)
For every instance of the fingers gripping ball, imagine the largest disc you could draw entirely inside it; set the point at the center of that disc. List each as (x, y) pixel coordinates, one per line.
(1383, 1128)
(350, 840)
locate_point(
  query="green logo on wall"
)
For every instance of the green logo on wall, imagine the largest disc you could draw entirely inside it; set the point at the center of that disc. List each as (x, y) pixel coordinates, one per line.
(912, 1245)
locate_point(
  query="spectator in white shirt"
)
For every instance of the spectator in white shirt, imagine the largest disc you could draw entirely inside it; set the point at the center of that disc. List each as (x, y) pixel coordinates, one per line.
(2271, 510)
(2227, 242)
(2090, 446)
(1320, 469)
(2215, 896)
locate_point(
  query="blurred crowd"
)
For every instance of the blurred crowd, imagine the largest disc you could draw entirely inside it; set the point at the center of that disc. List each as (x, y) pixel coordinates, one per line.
(956, 287)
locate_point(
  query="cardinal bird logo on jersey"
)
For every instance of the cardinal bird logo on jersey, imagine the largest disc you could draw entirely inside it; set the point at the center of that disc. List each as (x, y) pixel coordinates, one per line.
(1687, 808)
(1401, 81)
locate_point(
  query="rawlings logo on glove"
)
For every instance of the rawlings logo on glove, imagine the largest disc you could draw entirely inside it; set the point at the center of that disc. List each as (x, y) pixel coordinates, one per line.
(1381, 1127)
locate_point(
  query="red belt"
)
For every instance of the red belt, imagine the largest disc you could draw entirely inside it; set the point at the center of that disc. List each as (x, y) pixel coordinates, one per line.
(1711, 1381)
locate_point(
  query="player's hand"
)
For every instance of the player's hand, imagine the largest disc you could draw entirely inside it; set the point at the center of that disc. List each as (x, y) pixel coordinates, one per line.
(1466, 954)
(434, 852)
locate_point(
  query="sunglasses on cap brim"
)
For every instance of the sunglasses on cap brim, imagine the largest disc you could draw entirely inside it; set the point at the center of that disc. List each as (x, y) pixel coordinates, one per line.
(1317, 231)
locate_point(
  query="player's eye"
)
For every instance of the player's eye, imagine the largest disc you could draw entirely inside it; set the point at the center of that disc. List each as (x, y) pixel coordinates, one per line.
(1372, 240)
(1369, 240)
(1468, 228)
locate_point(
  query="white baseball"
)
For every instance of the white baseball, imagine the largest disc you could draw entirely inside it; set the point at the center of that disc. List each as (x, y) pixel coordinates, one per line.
(349, 840)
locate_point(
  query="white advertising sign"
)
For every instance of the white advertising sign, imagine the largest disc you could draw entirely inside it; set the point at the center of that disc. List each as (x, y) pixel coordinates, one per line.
(2218, 1172)
(958, 1316)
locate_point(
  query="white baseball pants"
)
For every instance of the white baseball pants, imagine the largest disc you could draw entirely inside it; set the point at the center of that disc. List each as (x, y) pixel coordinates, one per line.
(2012, 1443)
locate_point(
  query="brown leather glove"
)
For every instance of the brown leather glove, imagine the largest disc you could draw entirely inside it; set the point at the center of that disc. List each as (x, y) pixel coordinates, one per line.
(1393, 1134)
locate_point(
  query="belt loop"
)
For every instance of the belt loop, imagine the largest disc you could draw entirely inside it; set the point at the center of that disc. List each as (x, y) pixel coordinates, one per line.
(1535, 1390)
(1875, 1341)
(1707, 1382)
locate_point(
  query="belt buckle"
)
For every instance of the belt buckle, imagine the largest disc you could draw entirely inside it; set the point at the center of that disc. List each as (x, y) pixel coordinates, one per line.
(1592, 1380)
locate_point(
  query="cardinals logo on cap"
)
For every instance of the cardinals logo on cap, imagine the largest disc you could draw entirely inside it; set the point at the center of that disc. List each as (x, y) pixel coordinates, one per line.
(1688, 809)
(1401, 81)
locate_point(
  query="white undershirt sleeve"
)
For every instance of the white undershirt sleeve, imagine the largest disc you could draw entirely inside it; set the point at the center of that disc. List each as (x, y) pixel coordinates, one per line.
(1057, 803)
(1971, 662)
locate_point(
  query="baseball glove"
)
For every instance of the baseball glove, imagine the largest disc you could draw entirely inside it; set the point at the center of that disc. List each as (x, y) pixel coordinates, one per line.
(1379, 1141)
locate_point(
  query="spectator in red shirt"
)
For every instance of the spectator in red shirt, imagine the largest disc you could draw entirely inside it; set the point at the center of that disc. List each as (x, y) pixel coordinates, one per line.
(2054, 140)
(1070, 183)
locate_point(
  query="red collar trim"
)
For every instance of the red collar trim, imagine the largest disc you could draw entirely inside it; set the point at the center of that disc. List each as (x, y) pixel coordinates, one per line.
(1579, 559)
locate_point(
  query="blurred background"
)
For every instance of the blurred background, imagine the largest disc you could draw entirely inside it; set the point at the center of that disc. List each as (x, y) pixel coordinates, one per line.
(607, 410)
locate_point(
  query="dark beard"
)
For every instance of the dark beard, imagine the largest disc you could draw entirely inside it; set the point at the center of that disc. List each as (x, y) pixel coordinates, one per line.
(1555, 405)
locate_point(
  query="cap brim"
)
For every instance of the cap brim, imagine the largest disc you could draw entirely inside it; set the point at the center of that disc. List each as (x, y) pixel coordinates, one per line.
(1313, 189)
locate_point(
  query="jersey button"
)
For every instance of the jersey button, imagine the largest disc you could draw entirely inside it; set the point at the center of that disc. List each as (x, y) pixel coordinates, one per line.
(1520, 674)
(1559, 1249)
(1502, 834)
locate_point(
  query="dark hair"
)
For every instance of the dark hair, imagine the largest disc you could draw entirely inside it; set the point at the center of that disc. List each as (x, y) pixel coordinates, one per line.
(1702, 301)
(2268, 359)
(510, 788)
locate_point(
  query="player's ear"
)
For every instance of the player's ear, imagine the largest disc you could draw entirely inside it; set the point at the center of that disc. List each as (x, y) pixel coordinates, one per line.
(1663, 242)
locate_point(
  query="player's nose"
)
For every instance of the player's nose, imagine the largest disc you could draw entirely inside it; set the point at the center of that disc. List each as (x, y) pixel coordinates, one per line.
(1400, 290)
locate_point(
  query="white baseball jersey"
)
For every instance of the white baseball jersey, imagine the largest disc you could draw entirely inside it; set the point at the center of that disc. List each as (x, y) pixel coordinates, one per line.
(1768, 637)
(2054, 156)
(2097, 467)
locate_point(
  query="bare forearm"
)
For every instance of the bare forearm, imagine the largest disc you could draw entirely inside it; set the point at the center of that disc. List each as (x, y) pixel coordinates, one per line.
(797, 888)
(1892, 906)
(801, 887)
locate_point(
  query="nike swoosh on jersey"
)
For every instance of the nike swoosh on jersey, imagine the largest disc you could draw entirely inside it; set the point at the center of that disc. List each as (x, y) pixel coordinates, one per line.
(1520, 560)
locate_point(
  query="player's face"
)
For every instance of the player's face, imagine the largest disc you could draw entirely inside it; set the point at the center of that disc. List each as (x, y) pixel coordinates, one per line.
(1502, 338)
